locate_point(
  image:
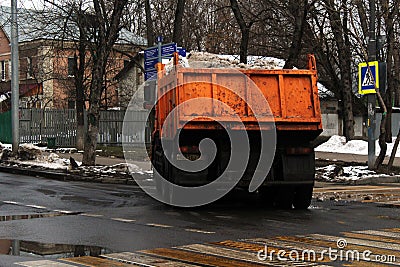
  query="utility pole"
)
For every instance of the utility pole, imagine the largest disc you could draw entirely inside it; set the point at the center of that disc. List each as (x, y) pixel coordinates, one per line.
(14, 78)
(371, 97)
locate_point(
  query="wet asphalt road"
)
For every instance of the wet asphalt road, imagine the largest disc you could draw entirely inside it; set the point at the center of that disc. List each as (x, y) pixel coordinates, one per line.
(122, 218)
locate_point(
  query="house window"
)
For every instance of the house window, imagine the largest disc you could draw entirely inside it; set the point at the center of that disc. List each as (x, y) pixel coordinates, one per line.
(29, 73)
(3, 70)
(71, 66)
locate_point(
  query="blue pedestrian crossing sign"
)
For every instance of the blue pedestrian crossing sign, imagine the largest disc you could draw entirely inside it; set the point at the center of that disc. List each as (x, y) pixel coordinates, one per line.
(368, 74)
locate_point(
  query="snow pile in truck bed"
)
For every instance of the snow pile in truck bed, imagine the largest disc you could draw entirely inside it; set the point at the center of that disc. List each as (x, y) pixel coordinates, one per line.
(208, 60)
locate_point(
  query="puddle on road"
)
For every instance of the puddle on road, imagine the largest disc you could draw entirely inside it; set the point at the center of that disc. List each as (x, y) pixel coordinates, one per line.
(48, 250)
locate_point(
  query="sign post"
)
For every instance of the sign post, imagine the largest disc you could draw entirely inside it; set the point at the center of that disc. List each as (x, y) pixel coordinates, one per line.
(371, 97)
(368, 83)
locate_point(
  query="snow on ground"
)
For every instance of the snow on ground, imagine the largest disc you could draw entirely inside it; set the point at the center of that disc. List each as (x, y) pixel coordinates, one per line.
(334, 173)
(51, 161)
(46, 158)
(338, 144)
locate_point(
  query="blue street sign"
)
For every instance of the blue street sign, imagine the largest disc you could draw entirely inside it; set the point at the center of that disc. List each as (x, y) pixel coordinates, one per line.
(168, 49)
(368, 77)
(151, 53)
(151, 57)
(150, 64)
(150, 75)
(182, 51)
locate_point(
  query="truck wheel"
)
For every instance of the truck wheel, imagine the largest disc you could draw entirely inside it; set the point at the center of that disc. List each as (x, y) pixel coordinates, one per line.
(284, 197)
(302, 197)
(267, 194)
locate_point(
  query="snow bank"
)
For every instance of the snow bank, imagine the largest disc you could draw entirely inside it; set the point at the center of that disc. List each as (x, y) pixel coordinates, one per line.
(337, 144)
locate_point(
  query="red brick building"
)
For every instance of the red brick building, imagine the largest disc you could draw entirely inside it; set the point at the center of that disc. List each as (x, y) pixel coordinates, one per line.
(46, 65)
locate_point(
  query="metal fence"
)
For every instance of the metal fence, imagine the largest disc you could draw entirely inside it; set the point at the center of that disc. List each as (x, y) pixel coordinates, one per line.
(37, 125)
(5, 127)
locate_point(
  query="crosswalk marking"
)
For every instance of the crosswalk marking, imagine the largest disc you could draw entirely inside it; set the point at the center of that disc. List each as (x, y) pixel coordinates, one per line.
(380, 233)
(238, 255)
(372, 237)
(44, 263)
(145, 260)
(395, 230)
(197, 258)
(96, 262)
(360, 242)
(365, 264)
(244, 252)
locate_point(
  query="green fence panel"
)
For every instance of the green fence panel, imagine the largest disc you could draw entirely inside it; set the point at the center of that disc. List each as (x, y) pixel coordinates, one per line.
(5, 127)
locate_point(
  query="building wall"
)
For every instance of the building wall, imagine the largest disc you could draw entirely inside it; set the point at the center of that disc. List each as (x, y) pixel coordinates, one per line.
(5, 55)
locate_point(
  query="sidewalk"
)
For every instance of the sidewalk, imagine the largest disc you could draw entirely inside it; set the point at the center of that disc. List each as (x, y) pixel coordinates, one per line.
(362, 159)
(146, 165)
(107, 161)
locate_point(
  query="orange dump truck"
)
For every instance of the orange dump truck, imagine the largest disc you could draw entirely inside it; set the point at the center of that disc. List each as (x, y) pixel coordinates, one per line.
(219, 104)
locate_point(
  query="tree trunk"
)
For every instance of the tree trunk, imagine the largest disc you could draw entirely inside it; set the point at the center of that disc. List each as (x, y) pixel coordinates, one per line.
(396, 88)
(244, 44)
(107, 29)
(244, 29)
(299, 12)
(149, 24)
(382, 135)
(80, 93)
(179, 12)
(344, 55)
(394, 151)
(89, 155)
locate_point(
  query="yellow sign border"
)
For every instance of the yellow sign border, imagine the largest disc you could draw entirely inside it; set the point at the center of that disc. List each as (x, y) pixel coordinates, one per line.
(363, 65)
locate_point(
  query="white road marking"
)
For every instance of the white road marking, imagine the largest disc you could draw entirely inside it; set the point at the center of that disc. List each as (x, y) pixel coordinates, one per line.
(159, 225)
(379, 233)
(12, 202)
(123, 220)
(360, 242)
(92, 215)
(36, 207)
(64, 211)
(44, 263)
(199, 231)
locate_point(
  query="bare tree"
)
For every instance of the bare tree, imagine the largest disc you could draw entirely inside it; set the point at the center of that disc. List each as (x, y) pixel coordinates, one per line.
(244, 29)
(299, 12)
(107, 18)
(179, 12)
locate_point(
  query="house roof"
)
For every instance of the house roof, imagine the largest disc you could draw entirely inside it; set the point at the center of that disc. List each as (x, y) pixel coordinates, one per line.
(34, 25)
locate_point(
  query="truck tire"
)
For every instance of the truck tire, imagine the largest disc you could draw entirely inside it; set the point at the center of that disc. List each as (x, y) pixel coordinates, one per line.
(267, 195)
(302, 197)
(284, 197)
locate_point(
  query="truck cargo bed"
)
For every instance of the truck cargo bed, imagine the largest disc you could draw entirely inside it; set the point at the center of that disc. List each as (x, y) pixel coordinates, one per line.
(292, 96)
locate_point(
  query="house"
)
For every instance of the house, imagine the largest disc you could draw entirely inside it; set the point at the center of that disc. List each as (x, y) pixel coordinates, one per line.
(47, 61)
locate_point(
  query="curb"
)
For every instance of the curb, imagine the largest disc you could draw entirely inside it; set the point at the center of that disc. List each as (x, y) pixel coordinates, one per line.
(64, 176)
(376, 180)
